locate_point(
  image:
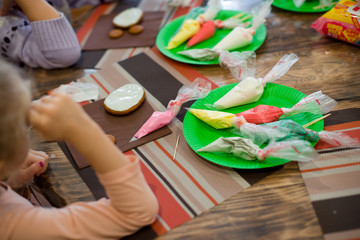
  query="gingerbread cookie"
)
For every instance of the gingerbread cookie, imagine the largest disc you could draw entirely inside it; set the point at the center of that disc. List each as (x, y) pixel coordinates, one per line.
(128, 17)
(136, 29)
(116, 33)
(124, 99)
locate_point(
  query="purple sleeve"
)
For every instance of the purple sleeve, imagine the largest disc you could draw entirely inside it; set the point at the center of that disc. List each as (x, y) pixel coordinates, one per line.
(48, 44)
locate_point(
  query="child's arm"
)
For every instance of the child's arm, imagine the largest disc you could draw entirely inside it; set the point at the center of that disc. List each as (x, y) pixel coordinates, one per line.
(131, 204)
(57, 117)
(35, 10)
(48, 41)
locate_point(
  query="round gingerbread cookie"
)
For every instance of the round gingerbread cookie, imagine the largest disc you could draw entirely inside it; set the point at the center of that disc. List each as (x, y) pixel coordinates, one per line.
(128, 17)
(124, 99)
(116, 33)
(136, 29)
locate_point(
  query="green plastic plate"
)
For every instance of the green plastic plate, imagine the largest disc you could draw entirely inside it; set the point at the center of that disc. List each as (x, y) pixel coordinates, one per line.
(309, 6)
(169, 29)
(199, 134)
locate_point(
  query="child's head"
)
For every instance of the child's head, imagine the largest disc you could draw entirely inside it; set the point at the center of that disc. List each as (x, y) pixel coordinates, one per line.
(15, 98)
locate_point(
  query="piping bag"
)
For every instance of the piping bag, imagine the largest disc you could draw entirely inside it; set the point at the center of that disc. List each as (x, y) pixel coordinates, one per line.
(199, 88)
(238, 20)
(251, 89)
(193, 14)
(265, 113)
(189, 28)
(206, 31)
(208, 28)
(289, 129)
(192, 25)
(236, 38)
(314, 103)
(295, 150)
(207, 25)
(212, 9)
(242, 66)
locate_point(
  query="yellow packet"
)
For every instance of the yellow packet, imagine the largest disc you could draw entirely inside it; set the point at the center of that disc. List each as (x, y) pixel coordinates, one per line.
(342, 22)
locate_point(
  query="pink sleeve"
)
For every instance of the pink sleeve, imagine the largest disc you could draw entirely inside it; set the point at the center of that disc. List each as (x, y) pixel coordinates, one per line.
(131, 205)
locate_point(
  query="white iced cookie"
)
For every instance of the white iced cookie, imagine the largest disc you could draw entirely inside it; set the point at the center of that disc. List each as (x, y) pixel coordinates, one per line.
(128, 17)
(124, 99)
(247, 91)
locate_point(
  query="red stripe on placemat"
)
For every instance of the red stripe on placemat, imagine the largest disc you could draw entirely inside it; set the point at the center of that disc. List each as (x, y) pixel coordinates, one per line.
(90, 23)
(84, 103)
(99, 83)
(187, 173)
(342, 126)
(169, 206)
(158, 227)
(353, 133)
(330, 167)
(184, 69)
(132, 52)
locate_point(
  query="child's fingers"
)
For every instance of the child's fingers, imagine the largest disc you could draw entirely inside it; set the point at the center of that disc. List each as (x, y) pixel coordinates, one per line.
(35, 169)
(37, 158)
(37, 120)
(34, 156)
(46, 99)
(42, 107)
(34, 116)
(38, 106)
(39, 153)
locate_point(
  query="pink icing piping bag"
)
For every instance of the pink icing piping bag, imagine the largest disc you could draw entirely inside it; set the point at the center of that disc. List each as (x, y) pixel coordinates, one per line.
(206, 31)
(199, 88)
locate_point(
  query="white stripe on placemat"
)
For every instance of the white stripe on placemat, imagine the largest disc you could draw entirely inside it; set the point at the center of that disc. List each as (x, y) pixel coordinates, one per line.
(163, 222)
(350, 234)
(336, 194)
(332, 171)
(330, 160)
(178, 179)
(169, 185)
(187, 164)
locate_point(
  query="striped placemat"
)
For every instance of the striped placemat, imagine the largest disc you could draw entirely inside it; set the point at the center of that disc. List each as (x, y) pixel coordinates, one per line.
(186, 185)
(333, 182)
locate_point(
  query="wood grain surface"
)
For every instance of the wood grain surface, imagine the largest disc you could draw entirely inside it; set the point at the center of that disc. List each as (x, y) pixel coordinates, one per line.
(278, 207)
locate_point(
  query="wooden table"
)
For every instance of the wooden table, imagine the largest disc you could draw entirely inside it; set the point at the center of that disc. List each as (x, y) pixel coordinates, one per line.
(278, 207)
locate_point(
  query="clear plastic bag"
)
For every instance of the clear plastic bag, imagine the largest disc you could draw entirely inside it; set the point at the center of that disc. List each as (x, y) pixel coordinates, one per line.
(294, 150)
(338, 139)
(240, 64)
(250, 89)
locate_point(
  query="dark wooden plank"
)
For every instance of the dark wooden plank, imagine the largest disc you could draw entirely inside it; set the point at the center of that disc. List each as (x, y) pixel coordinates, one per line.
(277, 207)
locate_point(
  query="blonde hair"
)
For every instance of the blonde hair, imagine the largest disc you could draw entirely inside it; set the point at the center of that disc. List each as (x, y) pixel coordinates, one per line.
(15, 100)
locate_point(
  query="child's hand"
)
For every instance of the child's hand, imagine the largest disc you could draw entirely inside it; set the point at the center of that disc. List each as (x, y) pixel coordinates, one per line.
(35, 164)
(58, 117)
